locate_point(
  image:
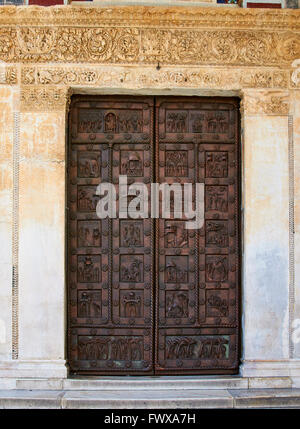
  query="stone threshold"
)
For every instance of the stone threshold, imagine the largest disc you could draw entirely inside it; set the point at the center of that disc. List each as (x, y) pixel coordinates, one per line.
(150, 399)
(151, 383)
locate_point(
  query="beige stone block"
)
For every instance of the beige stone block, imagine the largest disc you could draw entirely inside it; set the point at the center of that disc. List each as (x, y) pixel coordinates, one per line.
(42, 192)
(6, 191)
(5, 304)
(266, 238)
(296, 140)
(42, 135)
(6, 144)
(41, 260)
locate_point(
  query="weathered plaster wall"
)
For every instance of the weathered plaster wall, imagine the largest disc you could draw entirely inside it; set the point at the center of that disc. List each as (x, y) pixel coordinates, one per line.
(51, 53)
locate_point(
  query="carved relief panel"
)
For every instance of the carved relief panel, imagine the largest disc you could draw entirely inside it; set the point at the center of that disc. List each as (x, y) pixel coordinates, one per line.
(198, 280)
(110, 260)
(124, 295)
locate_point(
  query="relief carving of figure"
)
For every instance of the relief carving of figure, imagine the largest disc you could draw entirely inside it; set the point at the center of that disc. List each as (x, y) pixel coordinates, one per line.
(177, 305)
(132, 235)
(180, 348)
(219, 304)
(176, 236)
(89, 167)
(216, 164)
(216, 234)
(110, 123)
(89, 305)
(85, 202)
(197, 124)
(216, 269)
(132, 273)
(216, 198)
(130, 123)
(176, 122)
(132, 305)
(175, 274)
(132, 164)
(176, 163)
(213, 348)
(87, 272)
(88, 237)
(94, 349)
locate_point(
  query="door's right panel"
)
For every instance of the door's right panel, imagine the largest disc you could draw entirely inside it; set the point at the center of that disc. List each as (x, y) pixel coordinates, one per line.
(198, 271)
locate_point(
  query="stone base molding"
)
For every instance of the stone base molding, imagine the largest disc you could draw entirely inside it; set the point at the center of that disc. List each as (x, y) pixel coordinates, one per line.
(284, 368)
(33, 369)
(121, 383)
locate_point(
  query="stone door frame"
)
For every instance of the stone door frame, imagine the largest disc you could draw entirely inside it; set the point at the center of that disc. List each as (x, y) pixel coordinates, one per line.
(39, 75)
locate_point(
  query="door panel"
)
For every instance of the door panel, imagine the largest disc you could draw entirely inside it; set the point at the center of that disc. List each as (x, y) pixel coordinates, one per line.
(110, 260)
(148, 295)
(198, 280)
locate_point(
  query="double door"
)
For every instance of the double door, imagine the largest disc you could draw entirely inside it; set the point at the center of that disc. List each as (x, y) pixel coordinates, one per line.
(148, 295)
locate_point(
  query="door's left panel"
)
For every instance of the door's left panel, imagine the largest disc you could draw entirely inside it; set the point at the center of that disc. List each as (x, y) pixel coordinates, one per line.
(110, 285)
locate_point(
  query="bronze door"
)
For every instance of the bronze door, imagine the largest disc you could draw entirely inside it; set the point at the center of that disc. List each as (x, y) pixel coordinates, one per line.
(147, 296)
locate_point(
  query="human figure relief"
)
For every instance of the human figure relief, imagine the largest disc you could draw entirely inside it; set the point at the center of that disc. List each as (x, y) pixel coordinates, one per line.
(176, 235)
(110, 123)
(177, 305)
(216, 269)
(132, 273)
(216, 164)
(132, 305)
(216, 198)
(87, 271)
(176, 122)
(216, 234)
(85, 201)
(89, 304)
(176, 163)
(175, 274)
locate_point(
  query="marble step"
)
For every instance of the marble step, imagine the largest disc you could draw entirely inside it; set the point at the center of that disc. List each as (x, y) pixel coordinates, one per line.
(152, 383)
(151, 399)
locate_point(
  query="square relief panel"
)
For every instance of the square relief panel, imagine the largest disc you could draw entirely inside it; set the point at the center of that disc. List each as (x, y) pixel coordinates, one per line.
(89, 233)
(216, 233)
(132, 163)
(176, 235)
(131, 303)
(89, 164)
(89, 303)
(176, 270)
(89, 269)
(131, 233)
(132, 268)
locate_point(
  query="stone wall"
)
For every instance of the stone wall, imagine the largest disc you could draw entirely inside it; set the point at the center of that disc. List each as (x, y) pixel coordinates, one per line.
(48, 54)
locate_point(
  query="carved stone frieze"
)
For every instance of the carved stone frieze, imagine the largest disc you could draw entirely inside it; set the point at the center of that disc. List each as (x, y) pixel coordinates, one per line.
(266, 102)
(151, 77)
(147, 46)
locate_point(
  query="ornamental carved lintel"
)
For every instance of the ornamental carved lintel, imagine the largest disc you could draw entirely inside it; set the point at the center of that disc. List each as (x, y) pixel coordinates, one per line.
(150, 77)
(266, 103)
(135, 45)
